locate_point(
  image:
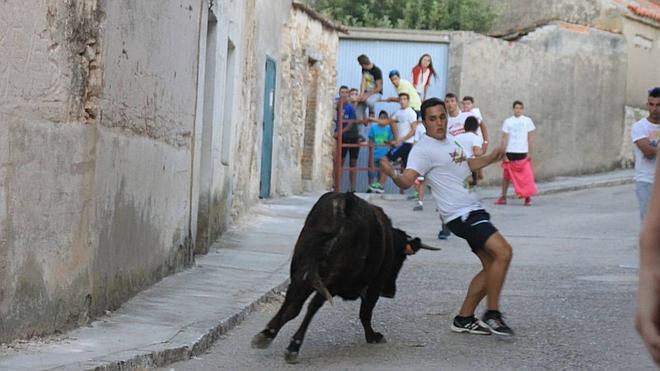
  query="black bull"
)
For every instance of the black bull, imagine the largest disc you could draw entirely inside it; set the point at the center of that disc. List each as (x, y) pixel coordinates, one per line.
(347, 248)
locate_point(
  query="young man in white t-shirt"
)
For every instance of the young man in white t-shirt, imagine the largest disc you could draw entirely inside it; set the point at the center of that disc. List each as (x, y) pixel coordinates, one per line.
(471, 143)
(445, 168)
(646, 136)
(517, 140)
(455, 117)
(403, 124)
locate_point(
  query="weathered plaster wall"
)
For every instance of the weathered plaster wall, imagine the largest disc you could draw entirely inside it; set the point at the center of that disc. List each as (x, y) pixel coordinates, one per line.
(48, 84)
(558, 74)
(95, 156)
(262, 38)
(643, 70)
(309, 73)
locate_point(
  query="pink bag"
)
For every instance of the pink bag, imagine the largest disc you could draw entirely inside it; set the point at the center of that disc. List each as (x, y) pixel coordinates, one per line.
(521, 174)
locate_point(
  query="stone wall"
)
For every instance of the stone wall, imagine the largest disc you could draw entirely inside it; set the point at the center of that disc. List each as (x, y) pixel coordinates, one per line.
(309, 52)
(557, 71)
(523, 14)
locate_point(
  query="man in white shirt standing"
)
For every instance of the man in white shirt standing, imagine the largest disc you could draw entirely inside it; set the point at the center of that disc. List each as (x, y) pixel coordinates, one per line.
(455, 118)
(445, 168)
(646, 135)
(517, 140)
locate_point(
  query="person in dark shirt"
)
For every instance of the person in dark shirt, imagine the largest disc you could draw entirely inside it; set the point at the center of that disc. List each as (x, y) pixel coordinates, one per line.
(371, 87)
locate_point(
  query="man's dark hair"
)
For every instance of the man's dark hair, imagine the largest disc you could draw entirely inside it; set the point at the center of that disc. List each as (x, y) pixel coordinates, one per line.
(343, 87)
(471, 124)
(431, 102)
(353, 90)
(363, 60)
(404, 95)
(382, 112)
(467, 97)
(518, 103)
(450, 95)
(655, 92)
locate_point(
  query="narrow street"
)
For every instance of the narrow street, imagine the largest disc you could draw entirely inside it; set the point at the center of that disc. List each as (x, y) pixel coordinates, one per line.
(567, 296)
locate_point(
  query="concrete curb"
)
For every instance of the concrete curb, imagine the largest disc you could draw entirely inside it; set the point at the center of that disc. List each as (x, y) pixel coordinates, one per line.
(168, 356)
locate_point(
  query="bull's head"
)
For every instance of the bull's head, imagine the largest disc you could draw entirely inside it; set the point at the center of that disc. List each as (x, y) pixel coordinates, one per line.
(403, 246)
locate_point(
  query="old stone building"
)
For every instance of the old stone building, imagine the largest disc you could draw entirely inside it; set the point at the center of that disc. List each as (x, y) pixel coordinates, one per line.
(133, 133)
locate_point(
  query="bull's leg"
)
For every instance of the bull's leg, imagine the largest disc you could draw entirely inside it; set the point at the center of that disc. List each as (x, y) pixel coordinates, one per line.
(296, 295)
(291, 355)
(366, 311)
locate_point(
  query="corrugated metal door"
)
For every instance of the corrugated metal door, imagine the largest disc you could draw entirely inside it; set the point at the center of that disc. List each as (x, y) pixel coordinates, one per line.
(387, 55)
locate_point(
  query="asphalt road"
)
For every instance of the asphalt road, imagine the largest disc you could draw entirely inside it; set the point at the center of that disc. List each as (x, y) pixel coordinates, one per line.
(567, 296)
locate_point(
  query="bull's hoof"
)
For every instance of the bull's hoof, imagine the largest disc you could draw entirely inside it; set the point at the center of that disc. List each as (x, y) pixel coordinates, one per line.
(291, 357)
(377, 338)
(261, 341)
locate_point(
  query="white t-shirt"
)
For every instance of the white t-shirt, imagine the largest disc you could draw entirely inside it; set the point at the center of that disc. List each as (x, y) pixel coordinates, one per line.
(518, 128)
(420, 132)
(468, 140)
(455, 125)
(645, 167)
(404, 119)
(446, 170)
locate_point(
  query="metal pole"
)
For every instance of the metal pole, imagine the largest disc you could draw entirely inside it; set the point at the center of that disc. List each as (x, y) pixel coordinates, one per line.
(338, 159)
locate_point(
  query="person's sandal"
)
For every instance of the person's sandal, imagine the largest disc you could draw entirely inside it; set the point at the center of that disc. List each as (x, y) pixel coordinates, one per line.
(500, 201)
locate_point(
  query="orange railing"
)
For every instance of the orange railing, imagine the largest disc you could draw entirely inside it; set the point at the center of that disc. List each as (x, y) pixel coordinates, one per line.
(339, 170)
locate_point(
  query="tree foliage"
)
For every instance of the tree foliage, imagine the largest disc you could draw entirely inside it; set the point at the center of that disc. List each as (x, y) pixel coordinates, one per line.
(469, 15)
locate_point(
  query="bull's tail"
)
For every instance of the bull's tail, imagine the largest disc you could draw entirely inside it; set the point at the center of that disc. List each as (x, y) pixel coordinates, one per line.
(305, 263)
(319, 286)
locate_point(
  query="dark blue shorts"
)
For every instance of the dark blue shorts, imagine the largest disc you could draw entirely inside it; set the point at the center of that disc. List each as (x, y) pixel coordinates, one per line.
(476, 229)
(401, 152)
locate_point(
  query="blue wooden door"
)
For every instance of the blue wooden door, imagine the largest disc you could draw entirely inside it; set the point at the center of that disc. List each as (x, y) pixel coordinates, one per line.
(269, 117)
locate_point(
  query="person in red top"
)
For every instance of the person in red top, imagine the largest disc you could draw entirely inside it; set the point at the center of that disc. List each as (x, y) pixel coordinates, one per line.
(422, 74)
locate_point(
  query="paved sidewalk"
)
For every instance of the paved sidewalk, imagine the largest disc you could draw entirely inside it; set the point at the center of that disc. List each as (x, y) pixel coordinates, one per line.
(182, 315)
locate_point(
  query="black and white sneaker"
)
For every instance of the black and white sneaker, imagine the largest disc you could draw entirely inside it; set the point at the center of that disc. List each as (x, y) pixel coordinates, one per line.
(495, 322)
(471, 325)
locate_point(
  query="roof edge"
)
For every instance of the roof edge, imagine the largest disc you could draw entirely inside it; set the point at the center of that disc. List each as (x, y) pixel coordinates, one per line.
(397, 34)
(317, 16)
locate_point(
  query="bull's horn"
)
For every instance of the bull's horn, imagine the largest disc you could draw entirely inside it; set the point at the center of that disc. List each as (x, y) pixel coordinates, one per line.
(427, 247)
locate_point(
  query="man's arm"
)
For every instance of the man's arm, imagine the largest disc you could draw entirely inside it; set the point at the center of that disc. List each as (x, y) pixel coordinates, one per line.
(403, 181)
(647, 318)
(410, 134)
(484, 134)
(647, 149)
(530, 141)
(368, 93)
(477, 163)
